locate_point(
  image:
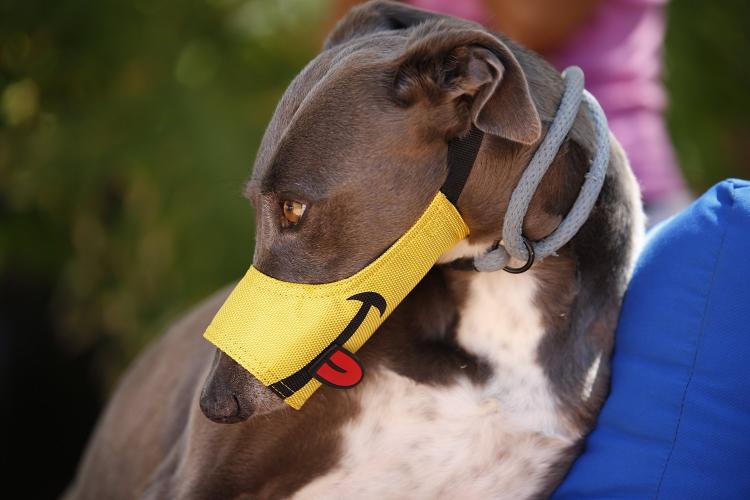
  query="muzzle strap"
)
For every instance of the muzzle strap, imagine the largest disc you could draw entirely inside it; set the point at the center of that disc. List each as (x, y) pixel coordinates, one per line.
(513, 242)
(462, 153)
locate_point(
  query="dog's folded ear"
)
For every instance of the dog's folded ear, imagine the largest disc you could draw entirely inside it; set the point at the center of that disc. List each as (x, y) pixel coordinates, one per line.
(475, 73)
(374, 16)
(450, 61)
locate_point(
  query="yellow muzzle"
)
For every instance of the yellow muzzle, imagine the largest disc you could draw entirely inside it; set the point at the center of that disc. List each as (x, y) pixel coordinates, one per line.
(293, 336)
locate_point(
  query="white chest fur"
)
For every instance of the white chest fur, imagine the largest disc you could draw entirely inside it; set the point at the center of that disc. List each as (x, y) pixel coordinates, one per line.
(493, 440)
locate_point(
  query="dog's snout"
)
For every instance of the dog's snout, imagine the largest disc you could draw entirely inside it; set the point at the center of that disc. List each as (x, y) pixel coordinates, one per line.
(223, 407)
(231, 394)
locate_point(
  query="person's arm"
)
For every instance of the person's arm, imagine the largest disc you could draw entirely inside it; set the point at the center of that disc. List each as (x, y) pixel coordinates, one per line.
(541, 25)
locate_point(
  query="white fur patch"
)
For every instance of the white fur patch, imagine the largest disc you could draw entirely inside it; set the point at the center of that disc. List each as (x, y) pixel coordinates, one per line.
(463, 249)
(633, 196)
(501, 324)
(588, 382)
(494, 440)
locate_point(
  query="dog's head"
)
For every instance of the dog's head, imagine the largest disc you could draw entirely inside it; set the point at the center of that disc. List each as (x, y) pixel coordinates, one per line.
(357, 149)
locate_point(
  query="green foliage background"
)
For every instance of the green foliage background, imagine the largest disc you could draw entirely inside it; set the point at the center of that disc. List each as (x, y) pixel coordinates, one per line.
(127, 129)
(708, 79)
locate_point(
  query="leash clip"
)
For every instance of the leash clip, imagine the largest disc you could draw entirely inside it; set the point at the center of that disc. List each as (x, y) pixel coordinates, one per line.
(529, 259)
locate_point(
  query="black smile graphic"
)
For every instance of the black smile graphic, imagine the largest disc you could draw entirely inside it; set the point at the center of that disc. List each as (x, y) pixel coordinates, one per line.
(335, 366)
(368, 299)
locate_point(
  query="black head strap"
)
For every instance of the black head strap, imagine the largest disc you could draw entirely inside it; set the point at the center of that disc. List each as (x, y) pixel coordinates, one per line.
(462, 153)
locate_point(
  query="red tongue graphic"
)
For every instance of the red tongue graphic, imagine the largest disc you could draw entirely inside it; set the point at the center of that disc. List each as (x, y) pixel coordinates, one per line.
(340, 369)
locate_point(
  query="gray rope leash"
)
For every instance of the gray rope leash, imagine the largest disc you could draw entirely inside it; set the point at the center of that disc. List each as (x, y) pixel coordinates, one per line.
(514, 244)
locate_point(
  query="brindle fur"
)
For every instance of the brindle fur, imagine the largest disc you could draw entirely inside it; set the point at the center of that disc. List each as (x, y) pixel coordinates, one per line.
(361, 137)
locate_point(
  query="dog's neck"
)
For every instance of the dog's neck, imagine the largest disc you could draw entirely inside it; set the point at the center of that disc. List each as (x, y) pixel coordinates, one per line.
(553, 325)
(501, 323)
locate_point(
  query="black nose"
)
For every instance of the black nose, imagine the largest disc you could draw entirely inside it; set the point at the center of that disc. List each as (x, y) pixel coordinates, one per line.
(231, 394)
(226, 396)
(223, 407)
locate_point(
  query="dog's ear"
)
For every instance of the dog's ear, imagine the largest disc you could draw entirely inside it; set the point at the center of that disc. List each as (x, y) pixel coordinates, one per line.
(374, 16)
(475, 73)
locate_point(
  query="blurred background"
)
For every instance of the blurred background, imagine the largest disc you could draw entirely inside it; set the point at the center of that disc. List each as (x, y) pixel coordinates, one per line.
(127, 129)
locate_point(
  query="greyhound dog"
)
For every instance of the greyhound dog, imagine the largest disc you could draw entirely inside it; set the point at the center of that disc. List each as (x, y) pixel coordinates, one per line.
(479, 385)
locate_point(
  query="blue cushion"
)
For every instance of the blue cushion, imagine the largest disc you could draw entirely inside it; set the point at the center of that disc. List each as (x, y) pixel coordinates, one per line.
(677, 421)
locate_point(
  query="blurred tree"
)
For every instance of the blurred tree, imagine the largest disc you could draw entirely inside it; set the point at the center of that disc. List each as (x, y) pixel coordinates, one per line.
(708, 78)
(127, 129)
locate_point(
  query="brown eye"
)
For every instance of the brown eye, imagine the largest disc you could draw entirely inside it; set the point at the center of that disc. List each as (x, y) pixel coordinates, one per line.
(292, 212)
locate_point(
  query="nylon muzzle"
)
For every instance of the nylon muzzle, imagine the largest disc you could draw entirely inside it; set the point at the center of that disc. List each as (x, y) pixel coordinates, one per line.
(294, 337)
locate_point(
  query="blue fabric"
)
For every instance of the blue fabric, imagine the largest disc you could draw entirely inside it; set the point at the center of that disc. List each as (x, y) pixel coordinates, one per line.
(677, 422)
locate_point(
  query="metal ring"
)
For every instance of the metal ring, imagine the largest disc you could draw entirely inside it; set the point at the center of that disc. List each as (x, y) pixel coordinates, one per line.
(529, 261)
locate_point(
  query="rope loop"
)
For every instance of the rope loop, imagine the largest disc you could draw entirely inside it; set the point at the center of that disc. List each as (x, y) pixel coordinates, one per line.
(514, 244)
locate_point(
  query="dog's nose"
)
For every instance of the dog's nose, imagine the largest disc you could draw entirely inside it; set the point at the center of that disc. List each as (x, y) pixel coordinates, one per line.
(232, 395)
(223, 407)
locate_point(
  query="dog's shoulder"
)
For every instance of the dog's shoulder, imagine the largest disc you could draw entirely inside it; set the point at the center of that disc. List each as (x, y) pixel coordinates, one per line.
(148, 411)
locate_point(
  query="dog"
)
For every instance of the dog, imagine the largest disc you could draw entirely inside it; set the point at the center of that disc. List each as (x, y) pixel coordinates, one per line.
(479, 385)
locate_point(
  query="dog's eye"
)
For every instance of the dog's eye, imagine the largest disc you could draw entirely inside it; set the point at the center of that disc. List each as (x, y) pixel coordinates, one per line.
(292, 212)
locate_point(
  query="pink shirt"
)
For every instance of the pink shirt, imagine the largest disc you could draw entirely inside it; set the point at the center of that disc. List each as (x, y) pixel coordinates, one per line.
(620, 51)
